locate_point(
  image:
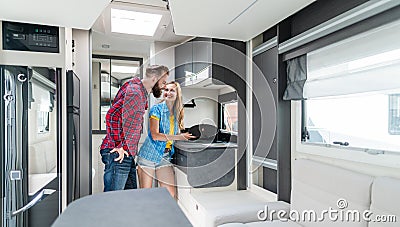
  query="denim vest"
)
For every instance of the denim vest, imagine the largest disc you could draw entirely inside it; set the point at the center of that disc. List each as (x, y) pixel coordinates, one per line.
(153, 150)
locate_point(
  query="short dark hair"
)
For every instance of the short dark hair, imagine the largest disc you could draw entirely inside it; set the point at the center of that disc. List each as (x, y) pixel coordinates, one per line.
(156, 70)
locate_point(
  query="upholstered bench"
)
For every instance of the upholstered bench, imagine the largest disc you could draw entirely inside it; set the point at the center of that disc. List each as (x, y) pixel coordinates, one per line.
(319, 187)
(221, 207)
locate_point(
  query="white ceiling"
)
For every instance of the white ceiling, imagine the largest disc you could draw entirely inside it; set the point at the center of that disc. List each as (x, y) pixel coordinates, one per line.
(133, 44)
(211, 18)
(64, 13)
(120, 46)
(206, 18)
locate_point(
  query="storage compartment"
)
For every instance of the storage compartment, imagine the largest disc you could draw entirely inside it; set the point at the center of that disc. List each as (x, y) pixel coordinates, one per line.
(206, 165)
(203, 62)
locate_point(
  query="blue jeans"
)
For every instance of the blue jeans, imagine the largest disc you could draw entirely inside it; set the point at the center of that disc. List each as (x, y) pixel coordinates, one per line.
(118, 176)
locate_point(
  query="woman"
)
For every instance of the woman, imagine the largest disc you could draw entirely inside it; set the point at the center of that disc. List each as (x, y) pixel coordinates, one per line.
(166, 121)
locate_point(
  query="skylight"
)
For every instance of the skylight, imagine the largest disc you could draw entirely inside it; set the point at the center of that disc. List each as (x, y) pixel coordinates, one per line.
(134, 23)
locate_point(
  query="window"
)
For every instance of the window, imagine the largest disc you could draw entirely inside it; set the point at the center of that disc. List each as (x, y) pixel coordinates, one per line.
(394, 114)
(228, 110)
(109, 74)
(42, 121)
(230, 113)
(353, 92)
(355, 121)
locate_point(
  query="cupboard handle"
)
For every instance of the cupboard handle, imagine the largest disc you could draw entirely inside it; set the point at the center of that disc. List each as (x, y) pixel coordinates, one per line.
(34, 201)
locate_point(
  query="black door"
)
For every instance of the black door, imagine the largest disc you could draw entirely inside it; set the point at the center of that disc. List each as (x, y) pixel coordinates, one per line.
(73, 155)
(267, 63)
(73, 137)
(31, 152)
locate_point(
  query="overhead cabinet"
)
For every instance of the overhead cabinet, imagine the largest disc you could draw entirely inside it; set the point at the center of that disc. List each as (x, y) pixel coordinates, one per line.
(205, 61)
(183, 62)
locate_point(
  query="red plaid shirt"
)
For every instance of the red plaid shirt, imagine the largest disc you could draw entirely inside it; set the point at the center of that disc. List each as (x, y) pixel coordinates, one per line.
(124, 119)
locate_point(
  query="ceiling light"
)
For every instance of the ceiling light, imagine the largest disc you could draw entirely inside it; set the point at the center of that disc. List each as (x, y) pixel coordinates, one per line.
(134, 23)
(123, 69)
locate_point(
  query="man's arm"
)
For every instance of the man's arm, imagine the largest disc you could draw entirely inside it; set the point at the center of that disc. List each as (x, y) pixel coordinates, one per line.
(132, 118)
(115, 128)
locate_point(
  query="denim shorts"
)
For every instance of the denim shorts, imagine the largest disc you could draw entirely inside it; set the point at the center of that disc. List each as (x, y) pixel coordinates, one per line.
(165, 162)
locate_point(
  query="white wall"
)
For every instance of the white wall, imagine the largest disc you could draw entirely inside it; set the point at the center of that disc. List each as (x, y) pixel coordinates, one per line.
(375, 165)
(225, 90)
(97, 164)
(82, 68)
(163, 53)
(206, 110)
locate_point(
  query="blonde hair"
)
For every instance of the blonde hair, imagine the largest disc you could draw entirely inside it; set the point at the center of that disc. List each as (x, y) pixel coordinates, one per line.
(178, 106)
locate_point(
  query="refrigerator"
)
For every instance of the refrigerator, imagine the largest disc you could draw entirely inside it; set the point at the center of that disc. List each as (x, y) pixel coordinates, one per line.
(73, 136)
(30, 167)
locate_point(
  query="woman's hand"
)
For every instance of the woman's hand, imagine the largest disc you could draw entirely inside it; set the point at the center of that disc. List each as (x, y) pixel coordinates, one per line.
(187, 136)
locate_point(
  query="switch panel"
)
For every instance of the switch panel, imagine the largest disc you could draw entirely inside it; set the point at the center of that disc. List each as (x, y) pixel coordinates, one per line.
(30, 37)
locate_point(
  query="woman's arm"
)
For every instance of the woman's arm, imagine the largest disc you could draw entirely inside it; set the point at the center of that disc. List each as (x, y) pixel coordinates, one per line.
(156, 135)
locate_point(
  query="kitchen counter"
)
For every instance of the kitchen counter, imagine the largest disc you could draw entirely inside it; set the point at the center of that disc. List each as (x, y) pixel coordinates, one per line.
(206, 164)
(191, 145)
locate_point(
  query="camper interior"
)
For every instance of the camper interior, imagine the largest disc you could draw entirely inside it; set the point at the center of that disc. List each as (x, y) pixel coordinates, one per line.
(295, 106)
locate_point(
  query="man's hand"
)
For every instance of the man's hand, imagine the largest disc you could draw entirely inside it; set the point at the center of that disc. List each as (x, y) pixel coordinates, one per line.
(121, 153)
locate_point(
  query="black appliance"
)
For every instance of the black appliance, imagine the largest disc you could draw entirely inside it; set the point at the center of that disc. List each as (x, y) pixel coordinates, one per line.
(30, 191)
(206, 133)
(30, 37)
(73, 136)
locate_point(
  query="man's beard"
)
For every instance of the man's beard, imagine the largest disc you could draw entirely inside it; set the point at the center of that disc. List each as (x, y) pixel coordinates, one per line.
(156, 91)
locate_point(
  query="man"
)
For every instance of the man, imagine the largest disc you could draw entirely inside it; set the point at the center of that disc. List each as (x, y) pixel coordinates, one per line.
(124, 125)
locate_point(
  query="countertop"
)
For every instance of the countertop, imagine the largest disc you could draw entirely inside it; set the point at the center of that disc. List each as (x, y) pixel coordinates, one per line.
(194, 145)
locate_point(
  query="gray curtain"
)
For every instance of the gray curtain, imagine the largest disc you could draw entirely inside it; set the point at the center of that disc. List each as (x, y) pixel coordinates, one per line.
(296, 77)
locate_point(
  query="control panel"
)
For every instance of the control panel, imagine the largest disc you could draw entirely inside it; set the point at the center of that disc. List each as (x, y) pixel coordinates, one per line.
(30, 37)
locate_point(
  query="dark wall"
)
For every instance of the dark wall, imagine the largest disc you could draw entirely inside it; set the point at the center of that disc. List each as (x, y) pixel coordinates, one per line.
(234, 74)
(319, 12)
(357, 28)
(269, 34)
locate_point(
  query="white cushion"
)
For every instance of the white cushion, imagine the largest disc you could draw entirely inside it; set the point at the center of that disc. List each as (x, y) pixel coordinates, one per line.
(232, 206)
(51, 155)
(243, 213)
(42, 157)
(36, 160)
(318, 187)
(385, 200)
